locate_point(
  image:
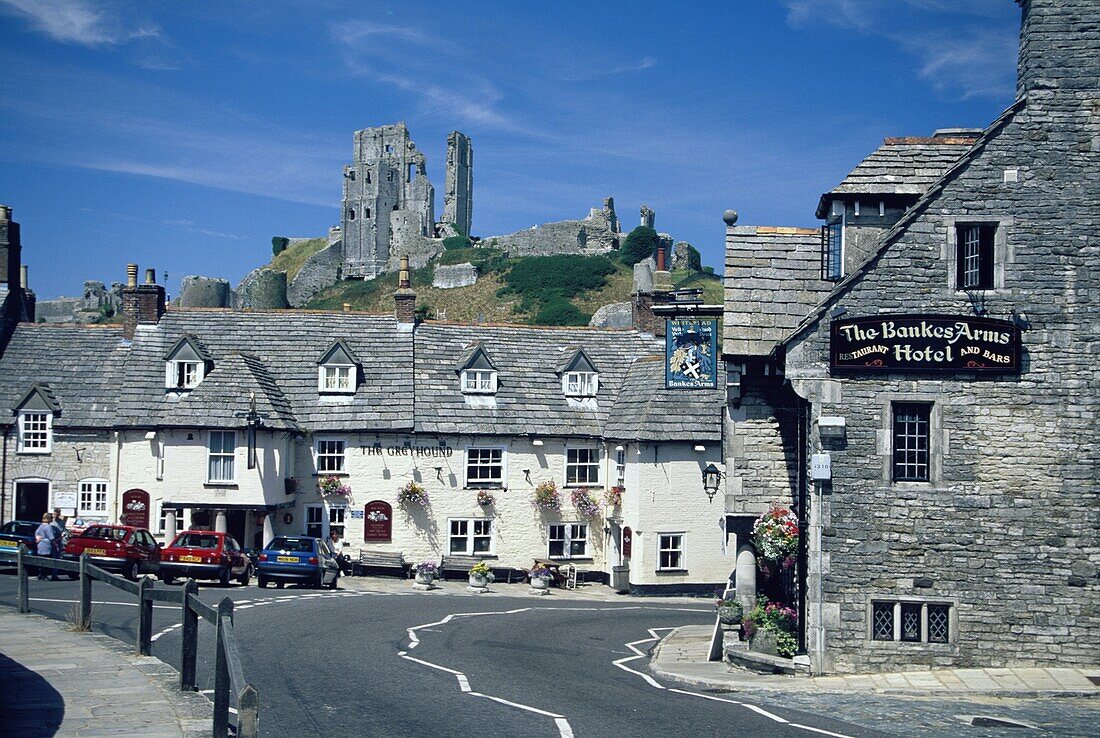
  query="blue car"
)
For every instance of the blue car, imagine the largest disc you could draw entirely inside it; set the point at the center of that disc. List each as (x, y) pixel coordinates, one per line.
(300, 559)
(16, 532)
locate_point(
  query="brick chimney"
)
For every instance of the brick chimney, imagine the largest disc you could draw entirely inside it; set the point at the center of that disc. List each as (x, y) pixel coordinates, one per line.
(142, 304)
(404, 298)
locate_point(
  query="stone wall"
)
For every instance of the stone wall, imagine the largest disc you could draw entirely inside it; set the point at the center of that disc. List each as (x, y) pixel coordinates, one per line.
(76, 455)
(454, 275)
(1006, 530)
(596, 234)
(263, 289)
(614, 315)
(321, 270)
(209, 292)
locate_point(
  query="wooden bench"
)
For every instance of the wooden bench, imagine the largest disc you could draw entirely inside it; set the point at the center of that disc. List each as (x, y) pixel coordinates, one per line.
(458, 566)
(384, 560)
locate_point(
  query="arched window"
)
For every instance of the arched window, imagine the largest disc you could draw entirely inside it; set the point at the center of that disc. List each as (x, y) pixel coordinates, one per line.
(351, 213)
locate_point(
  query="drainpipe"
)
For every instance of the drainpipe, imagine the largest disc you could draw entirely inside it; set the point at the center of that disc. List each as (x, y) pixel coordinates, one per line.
(803, 519)
(118, 461)
(4, 475)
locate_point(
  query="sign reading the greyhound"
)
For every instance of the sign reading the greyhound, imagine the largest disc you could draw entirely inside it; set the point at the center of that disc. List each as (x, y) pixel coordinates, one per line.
(690, 348)
(924, 343)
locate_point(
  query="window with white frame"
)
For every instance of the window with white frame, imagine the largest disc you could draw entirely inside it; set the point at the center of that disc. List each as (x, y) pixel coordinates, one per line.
(582, 466)
(175, 512)
(336, 516)
(580, 384)
(315, 521)
(222, 453)
(330, 455)
(568, 541)
(35, 432)
(670, 552)
(620, 466)
(479, 381)
(186, 374)
(336, 378)
(473, 536)
(484, 467)
(92, 497)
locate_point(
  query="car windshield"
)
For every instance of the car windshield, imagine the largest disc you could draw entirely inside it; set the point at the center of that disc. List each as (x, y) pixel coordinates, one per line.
(196, 540)
(294, 545)
(19, 528)
(111, 534)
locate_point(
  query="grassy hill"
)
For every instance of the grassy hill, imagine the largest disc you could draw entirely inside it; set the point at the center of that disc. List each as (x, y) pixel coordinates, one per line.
(546, 290)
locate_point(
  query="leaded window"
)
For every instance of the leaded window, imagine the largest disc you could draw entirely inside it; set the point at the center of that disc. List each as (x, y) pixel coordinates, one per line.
(910, 621)
(911, 442)
(939, 617)
(882, 621)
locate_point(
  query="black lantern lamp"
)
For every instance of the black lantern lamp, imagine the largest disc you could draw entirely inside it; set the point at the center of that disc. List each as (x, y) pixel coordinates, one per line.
(711, 479)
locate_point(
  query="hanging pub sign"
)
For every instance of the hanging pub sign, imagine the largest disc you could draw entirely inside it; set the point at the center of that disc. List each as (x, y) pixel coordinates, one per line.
(377, 521)
(690, 348)
(957, 343)
(135, 508)
(628, 542)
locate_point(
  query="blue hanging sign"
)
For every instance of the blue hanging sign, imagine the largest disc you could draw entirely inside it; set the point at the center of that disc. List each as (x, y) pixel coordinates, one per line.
(691, 348)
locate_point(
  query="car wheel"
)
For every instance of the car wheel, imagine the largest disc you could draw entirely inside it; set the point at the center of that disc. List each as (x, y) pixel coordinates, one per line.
(223, 577)
(319, 582)
(168, 579)
(280, 585)
(261, 582)
(246, 577)
(133, 571)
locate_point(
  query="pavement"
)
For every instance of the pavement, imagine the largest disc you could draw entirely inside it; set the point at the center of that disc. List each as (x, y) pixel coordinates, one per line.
(54, 681)
(681, 656)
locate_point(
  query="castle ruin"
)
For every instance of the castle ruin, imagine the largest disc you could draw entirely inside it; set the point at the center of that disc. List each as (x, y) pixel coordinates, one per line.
(458, 193)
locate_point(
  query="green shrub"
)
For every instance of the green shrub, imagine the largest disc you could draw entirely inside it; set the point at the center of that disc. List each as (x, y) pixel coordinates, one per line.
(694, 258)
(279, 244)
(567, 275)
(640, 244)
(560, 311)
(456, 242)
(485, 259)
(708, 270)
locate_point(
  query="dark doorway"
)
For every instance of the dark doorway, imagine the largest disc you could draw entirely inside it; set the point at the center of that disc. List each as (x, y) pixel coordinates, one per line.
(234, 524)
(32, 499)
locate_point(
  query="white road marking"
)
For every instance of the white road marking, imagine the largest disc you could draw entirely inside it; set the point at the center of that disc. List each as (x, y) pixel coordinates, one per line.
(564, 728)
(103, 602)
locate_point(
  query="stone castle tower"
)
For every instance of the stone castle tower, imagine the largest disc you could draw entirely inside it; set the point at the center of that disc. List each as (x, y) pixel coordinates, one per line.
(386, 184)
(458, 195)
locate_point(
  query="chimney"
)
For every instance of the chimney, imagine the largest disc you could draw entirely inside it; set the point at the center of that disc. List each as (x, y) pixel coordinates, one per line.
(11, 249)
(141, 304)
(24, 277)
(404, 298)
(1058, 41)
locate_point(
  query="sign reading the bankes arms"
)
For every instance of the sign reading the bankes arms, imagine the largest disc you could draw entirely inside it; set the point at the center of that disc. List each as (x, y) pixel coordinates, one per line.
(924, 343)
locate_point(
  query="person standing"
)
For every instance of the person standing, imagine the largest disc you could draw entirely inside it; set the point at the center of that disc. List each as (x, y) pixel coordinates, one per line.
(44, 537)
(59, 522)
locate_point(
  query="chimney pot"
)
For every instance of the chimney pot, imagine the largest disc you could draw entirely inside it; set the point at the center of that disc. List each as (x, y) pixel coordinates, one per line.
(5, 212)
(347, 307)
(131, 275)
(24, 277)
(150, 276)
(403, 281)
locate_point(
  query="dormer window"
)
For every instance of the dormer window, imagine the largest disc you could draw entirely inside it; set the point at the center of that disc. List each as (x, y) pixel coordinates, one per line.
(186, 365)
(35, 412)
(337, 370)
(579, 377)
(477, 374)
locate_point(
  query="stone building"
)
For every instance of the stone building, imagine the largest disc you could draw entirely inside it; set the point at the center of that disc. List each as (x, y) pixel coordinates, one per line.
(597, 233)
(458, 192)
(923, 389)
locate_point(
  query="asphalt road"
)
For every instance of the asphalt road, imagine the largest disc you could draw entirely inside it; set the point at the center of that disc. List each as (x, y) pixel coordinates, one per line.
(435, 664)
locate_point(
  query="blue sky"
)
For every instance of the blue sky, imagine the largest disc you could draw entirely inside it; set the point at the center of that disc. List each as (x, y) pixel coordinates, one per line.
(184, 135)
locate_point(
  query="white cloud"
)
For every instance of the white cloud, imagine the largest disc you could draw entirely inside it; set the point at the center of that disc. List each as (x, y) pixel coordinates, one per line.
(78, 22)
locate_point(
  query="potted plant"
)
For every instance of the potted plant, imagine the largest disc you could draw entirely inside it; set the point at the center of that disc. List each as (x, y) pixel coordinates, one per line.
(540, 577)
(584, 502)
(613, 496)
(485, 498)
(481, 575)
(730, 611)
(331, 486)
(770, 628)
(426, 572)
(775, 534)
(547, 496)
(413, 494)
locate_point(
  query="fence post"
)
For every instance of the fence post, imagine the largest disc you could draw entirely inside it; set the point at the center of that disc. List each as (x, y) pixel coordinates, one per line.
(23, 596)
(248, 713)
(190, 641)
(85, 591)
(222, 685)
(145, 616)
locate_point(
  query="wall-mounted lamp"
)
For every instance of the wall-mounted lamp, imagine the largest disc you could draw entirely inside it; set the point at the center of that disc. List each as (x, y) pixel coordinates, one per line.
(830, 426)
(190, 436)
(536, 442)
(606, 530)
(80, 454)
(527, 475)
(439, 473)
(619, 448)
(712, 478)
(699, 448)
(151, 436)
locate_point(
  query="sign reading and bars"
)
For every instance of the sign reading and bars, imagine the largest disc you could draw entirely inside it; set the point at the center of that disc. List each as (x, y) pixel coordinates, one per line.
(690, 347)
(924, 343)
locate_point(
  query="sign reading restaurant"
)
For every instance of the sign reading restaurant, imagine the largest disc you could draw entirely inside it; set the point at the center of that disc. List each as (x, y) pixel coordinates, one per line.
(924, 343)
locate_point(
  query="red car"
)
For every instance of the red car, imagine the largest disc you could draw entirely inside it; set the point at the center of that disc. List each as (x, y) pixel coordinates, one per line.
(203, 554)
(122, 548)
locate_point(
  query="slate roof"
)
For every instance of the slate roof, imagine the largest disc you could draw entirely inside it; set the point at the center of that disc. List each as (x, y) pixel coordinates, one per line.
(82, 365)
(529, 398)
(645, 410)
(273, 353)
(901, 166)
(773, 278)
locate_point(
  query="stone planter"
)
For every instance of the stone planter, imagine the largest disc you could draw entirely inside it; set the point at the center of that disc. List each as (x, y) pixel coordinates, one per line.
(763, 641)
(424, 579)
(478, 581)
(730, 616)
(540, 583)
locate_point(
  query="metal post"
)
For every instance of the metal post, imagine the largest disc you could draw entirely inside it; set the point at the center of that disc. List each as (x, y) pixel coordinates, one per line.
(85, 592)
(248, 713)
(190, 641)
(23, 596)
(145, 616)
(222, 685)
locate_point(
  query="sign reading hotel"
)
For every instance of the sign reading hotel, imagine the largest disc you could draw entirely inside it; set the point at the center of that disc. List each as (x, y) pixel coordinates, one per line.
(690, 347)
(924, 343)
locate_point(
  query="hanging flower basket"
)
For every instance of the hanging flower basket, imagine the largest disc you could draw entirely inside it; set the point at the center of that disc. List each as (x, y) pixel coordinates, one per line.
(413, 494)
(331, 486)
(485, 498)
(613, 496)
(775, 534)
(584, 502)
(547, 496)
